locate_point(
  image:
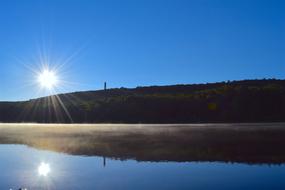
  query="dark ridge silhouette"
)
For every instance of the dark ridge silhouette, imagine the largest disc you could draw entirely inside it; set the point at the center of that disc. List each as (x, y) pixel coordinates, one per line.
(232, 101)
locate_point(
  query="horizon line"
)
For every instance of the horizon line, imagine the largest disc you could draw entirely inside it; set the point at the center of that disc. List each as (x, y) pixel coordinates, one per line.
(113, 88)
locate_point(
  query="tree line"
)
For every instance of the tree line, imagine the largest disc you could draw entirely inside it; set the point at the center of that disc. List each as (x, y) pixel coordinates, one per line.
(231, 101)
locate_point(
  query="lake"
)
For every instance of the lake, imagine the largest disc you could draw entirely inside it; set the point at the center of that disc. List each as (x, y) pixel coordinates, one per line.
(204, 157)
(20, 164)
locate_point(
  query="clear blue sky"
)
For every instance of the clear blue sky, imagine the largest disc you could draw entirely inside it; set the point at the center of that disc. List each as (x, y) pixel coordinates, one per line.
(140, 42)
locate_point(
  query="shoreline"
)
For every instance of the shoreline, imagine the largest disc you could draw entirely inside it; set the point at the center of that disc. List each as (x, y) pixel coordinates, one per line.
(249, 143)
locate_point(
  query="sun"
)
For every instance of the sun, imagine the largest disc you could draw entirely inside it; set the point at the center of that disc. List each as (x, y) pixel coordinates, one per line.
(47, 79)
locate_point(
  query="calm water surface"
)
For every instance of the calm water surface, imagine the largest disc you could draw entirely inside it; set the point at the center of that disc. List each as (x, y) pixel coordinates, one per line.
(21, 167)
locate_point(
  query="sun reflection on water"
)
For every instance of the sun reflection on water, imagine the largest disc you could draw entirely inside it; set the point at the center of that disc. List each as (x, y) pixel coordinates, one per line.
(44, 169)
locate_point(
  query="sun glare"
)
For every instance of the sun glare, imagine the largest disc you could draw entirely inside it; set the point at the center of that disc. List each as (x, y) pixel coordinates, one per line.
(47, 79)
(43, 169)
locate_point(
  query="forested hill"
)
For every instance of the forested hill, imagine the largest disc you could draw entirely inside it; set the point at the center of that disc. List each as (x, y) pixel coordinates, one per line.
(236, 101)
